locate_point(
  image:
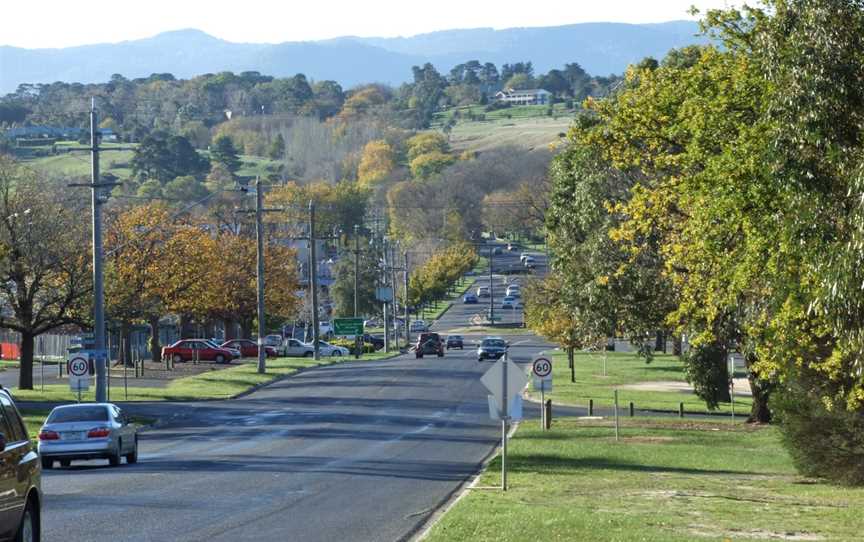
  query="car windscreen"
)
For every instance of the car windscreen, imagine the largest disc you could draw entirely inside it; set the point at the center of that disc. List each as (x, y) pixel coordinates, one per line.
(493, 342)
(79, 414)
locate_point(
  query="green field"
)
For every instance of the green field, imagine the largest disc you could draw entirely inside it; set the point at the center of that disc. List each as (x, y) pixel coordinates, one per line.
(217, 384)
(626, 369)
(665, 481)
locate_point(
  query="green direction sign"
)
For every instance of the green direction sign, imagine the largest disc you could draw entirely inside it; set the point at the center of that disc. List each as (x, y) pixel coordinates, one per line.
(348, 326)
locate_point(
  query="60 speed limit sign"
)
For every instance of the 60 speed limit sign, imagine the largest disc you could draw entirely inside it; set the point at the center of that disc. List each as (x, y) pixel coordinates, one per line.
(542, 368)
(78, 366)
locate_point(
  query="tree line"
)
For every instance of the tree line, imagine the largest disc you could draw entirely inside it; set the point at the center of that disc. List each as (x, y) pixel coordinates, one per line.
(716, 195)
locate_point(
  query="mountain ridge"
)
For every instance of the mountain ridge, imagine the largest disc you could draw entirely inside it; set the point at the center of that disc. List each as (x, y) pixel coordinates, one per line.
(601, 48)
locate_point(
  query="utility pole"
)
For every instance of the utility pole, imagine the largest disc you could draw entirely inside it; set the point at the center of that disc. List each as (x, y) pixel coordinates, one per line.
(491, 289)
(407, 314)
(313, 280)
(393, 270)
(383, 287)
(259, 237)
(98, 279)
(356, 265)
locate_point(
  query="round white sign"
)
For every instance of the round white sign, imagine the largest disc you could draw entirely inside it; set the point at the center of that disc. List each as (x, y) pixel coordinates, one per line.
(542, 367)
(78, 367)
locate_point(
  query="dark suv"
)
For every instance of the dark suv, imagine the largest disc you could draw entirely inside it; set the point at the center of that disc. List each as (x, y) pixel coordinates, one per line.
(429, 343)
(20, 477)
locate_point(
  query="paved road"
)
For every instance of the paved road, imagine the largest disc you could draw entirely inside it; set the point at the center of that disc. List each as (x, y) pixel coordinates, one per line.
(358, 451)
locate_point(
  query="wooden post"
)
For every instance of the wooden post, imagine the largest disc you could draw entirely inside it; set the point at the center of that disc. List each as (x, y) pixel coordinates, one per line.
(681, 410)
(590, 407)
(632, 410)
(548, 414)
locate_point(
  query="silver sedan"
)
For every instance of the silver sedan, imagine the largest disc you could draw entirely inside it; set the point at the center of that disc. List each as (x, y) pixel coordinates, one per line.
(87, 431)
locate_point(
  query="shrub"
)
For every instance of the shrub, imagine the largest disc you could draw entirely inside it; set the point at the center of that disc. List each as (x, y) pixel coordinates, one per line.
(825, 443)
(368, 348)
(705, 367)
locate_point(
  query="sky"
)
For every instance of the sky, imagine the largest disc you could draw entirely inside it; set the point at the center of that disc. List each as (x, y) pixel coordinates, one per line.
(61, 23)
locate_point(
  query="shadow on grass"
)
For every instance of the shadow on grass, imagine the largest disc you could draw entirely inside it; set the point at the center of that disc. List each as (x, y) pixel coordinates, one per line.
(557, 464)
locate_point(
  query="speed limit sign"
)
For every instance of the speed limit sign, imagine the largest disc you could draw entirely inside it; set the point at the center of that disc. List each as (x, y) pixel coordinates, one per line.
(78, 366)
(542, 368)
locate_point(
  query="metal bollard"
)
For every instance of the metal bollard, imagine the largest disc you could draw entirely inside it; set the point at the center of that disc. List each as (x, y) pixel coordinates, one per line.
(632, 410)
(590, 407)
(548, 418)
(680, 410)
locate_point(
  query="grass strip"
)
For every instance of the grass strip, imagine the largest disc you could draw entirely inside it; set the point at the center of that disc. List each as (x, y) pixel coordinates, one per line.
(664, 481)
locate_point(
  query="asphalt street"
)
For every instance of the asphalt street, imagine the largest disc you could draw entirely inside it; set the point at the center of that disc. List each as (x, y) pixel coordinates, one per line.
(356, 451)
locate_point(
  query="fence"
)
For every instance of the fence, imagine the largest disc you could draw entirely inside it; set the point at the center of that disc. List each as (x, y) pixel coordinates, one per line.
(48, 347)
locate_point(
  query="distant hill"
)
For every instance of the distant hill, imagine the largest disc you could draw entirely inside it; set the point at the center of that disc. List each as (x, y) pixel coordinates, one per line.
(601, 49)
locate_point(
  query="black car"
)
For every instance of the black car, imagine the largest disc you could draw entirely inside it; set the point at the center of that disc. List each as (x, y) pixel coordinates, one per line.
(491, 348)
(20, 477)
(429, 343)
(376, 341)
(455, 341)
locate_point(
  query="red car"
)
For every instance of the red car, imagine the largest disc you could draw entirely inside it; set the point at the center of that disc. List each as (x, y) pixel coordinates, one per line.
(186, 349)
(248, 348)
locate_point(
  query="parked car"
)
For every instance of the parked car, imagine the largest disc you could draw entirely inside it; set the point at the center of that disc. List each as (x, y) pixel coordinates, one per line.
(20, 477)
(483, 291)
(377, 341)
(491, 348)
(249, 349)
(455, 341)
(372, 323)
(429, 343)
(469, 299)
(329, 350)
(418, 326)
(186, 350)
(235, 352)
(325, 328)
(87, 431)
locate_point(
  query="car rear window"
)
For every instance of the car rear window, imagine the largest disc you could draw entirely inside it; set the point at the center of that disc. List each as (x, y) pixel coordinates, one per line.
(79, 414)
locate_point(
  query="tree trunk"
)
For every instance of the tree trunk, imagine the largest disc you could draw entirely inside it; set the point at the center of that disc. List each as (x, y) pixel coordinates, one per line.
(155, 348)
(572, 363)
(230, 330)
(126, 344)
(246, 328)
(25, 376)
(761, 390)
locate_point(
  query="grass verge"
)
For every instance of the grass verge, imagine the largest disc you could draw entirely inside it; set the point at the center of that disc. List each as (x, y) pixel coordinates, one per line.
(664, 481)
(624, 369)
(216, 384)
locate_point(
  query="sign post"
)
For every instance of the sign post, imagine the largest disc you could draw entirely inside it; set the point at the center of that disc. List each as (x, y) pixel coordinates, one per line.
(78, 368)
(541, 368)
(350, 326)
(505, 381)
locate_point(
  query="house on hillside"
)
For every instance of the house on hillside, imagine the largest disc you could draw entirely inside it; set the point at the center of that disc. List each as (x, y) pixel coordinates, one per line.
(532, 96)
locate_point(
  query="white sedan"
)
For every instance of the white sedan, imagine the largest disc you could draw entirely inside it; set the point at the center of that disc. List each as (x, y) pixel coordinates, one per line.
(327, 349)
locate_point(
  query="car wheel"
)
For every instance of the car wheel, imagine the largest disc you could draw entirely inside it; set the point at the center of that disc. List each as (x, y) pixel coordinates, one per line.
(28, 531)
(177, 358)
(132, 458)
(115, 457)
(47, 463)
(65, 462)
(220, 358)
(335, 354)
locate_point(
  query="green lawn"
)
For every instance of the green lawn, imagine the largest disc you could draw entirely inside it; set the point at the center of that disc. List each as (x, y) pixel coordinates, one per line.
(665, 481)
(623, 369)
(77, 164)
(509, 113)
(216, 384)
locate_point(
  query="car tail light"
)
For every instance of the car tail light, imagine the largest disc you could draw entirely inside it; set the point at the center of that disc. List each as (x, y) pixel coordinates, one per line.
(49, 435)
(98, 432)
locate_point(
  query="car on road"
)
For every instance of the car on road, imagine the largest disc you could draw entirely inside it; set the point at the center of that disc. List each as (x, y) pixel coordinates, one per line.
(529, 262)
(20, 477)
(513, 290)
(249, 348)
(483, 291)
(496, 251)
(429, 343)
(418, 326)
(455, 341)
(523, 256)
(491, 348)
(469, 299)
(87, 431)
(192, 349)
(512, 247)
(509, 303)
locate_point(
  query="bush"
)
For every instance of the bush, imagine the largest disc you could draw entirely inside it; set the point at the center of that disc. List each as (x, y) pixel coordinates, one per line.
(823, 443)
(705, 367)
(368, 348)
